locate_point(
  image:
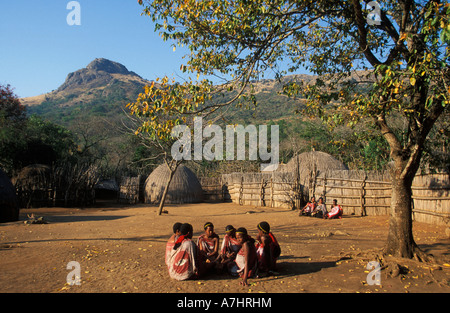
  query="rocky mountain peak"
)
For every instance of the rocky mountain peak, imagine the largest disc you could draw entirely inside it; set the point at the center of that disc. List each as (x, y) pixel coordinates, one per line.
(105, 65)
(99, 72)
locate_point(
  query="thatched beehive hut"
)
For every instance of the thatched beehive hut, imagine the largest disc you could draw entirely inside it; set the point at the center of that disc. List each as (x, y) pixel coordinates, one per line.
(308, 166)
(33, 184)
(33, 177)
(9, 207)
(315, 161)
(184, 188)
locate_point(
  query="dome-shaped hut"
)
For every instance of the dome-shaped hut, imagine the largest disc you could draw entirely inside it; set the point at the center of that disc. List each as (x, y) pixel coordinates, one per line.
(9, 207)
(33, 177)
(308, 165)
(314, 161)
(33, 183)
(184, 187)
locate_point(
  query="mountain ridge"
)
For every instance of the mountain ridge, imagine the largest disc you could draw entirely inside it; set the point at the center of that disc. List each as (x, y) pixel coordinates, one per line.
(104, 87)
(79, 86)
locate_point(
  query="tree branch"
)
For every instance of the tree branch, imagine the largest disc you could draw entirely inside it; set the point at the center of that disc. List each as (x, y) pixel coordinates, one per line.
(362, 34)
(389, 135)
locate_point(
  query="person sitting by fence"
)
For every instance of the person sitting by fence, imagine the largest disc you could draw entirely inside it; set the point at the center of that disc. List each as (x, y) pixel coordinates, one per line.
(321, 209)
(268, 249)
(208, 243)
(309, 207)
(230, 248)
(245, 264)
(336, 211)
(182, 261)
(172, 240)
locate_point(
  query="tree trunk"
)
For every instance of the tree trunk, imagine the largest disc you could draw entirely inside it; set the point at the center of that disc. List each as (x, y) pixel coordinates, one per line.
(400, 242)
(163, 198)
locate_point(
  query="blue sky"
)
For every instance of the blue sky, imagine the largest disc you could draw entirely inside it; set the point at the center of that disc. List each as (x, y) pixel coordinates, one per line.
(38, 48)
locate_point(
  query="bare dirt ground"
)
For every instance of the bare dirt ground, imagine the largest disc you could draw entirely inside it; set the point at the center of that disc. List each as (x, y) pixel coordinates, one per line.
(121, 249)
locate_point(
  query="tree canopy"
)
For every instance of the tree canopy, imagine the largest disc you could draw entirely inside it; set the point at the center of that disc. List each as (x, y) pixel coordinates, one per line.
(240, 41)
(29, 140)
(398, 48)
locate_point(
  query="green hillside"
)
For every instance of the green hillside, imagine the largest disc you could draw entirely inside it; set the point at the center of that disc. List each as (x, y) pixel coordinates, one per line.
(91, 103)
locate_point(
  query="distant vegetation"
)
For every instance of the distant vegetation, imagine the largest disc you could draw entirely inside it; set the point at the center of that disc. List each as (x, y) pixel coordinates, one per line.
(89, 120)
(29, 140)
(363, 148)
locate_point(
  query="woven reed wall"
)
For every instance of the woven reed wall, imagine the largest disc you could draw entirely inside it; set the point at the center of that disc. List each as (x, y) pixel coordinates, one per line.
(431, 199)
(130, 189)
(359, 192)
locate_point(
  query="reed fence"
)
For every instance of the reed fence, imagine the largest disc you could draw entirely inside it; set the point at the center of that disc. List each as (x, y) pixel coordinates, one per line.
(130, 189)
(358, 192)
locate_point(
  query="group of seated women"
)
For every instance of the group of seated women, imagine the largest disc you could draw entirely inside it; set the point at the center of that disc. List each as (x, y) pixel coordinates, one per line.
(240, 254)
(319, 209)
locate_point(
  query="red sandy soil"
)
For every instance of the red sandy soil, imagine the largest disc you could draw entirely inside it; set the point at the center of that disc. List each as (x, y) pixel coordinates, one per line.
(121, 248)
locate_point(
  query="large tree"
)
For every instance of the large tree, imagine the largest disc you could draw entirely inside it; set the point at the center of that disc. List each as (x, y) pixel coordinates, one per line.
(400, 46)
(152, 118)
(29, 140)
(13, 120)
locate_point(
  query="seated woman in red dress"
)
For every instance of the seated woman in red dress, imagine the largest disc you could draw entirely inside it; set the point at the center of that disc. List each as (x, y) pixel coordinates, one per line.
(208, 243)
(309, 207)
(336, 211)
(246, 262)
(182, 260)
(172, 240)
(321, 209)
(268, 249)
(230, 248)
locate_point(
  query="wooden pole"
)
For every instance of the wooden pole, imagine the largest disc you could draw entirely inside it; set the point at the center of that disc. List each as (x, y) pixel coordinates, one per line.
(261, 193)
(241, 190)
(363, 196)
(310, 191)
(314, 179)
(296, 191)
(271, 192)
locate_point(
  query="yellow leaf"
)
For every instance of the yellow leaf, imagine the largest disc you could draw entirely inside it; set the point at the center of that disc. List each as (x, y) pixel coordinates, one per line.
(412, 81)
